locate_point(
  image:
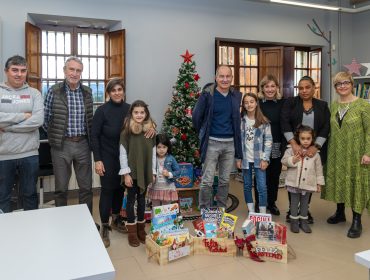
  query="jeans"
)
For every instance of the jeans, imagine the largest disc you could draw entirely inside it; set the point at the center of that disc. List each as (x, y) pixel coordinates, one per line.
(221, 154)
(28, 170)
(133, 194)
(272, 181)
(261, 184)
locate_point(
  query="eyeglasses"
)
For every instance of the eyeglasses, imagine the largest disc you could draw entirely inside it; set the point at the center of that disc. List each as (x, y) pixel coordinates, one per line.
(341, 84)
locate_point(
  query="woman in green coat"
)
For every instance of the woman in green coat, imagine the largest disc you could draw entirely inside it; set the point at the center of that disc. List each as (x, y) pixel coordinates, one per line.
(348, 165)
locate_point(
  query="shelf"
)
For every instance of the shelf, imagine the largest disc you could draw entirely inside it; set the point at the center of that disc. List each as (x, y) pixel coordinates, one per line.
(360, 77)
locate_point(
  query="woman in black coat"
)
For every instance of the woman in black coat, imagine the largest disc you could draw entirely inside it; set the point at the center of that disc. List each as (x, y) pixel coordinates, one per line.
(106, 129)
(307, 110)
(271, 105)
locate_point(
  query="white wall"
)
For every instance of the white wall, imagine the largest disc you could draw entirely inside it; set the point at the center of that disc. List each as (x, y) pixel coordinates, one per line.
(361, 37)
(158, 31)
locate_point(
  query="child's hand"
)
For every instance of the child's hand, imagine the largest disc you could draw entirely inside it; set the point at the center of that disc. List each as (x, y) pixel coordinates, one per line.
(296, 158)
(318, 188)
(165, 172)
(263, 165)
(239, 164)
(128, 180)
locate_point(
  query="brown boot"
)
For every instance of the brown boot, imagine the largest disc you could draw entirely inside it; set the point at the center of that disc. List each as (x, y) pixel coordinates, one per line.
(141, 234)
(132, 235)
(105, 229)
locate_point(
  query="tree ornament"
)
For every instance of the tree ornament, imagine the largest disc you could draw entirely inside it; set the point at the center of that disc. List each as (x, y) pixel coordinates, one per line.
(183, 137)
(186, 85)
(173, 140)
(188, 112)
(196, 77)
(187, 56)
(175, 131)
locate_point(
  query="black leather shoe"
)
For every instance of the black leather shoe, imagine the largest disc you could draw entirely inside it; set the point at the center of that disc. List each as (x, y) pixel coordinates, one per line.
(356, 228)
(339, 215)
(336, 218)
(310, 218)
(274, 210)
(287, 218)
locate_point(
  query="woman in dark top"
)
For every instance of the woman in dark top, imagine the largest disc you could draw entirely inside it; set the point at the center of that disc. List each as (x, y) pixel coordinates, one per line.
(307, 110)
(271, 105)
(106, 128)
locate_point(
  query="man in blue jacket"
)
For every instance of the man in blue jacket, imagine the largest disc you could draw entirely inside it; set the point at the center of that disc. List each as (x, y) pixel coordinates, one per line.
(216, 118)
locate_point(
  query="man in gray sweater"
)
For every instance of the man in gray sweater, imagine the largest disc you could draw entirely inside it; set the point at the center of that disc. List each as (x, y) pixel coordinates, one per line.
(21, 114)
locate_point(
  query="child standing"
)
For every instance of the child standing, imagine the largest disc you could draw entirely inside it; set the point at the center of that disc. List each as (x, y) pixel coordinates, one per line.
(256, 146)
(304, 176)
(137, 160)
(163, 190)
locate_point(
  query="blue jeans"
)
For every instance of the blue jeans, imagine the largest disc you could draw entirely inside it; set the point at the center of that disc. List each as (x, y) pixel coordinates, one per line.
(221, 154)
(261, 184)
(27, 169)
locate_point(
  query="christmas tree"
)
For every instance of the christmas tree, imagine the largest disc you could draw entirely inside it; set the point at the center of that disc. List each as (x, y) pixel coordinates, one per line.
(177, 122)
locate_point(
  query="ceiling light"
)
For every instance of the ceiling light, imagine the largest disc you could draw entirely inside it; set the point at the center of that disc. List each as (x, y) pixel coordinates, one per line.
(304, 4)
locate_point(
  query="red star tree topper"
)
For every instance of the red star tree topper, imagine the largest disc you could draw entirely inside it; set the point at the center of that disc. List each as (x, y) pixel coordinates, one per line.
(187, 56)
(177, 123)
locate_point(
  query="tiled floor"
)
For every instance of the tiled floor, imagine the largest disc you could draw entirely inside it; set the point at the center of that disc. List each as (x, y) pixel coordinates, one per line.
(325, 254)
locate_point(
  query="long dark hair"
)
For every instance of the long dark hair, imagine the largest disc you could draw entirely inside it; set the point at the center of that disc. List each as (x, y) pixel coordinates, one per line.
(137, 103)
(304, 128)
(258, 115)
(164, 140)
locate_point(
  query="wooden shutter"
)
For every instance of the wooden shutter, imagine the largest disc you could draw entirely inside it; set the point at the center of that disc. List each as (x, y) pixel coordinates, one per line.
(271, 62)
(33, 55)
(288, 75)
(115, 51)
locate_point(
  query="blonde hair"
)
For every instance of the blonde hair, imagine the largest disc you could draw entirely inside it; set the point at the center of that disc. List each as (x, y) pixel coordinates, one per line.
(340, 76)
(265, 80)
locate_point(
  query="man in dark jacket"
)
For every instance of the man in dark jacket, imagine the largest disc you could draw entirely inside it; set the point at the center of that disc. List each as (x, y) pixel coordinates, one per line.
(68, 118)
(216, 118)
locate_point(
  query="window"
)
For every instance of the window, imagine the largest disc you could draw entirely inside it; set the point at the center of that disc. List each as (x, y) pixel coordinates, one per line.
(244, 65)
(102, 53)
(251, 61)
(57, 45)
(307, 63)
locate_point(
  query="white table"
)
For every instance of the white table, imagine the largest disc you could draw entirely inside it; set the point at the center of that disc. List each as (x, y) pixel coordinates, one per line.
(53, 243)
(364, 259)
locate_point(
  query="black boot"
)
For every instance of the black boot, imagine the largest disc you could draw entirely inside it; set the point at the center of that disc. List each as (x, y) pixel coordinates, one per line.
(339, 215)
(356, 228)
